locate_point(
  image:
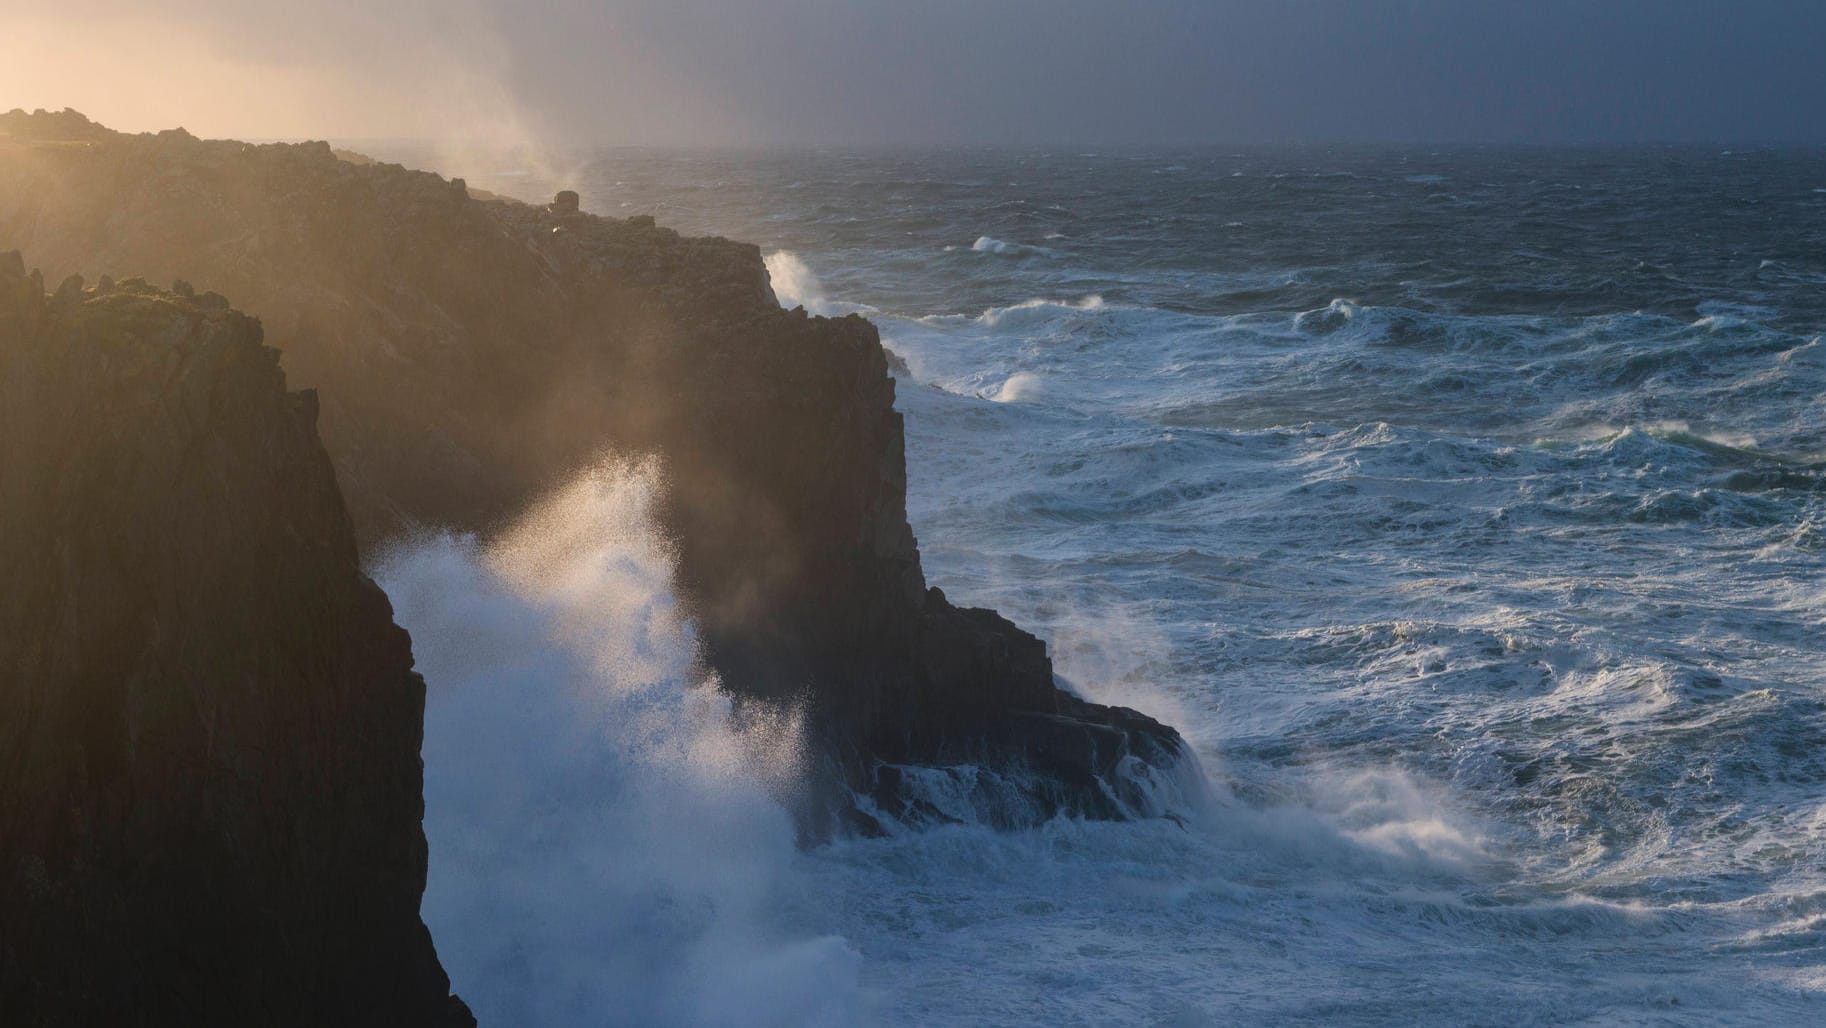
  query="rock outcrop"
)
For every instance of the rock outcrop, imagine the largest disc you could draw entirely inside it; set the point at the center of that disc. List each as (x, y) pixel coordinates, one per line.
(473, 353)
(210, 786)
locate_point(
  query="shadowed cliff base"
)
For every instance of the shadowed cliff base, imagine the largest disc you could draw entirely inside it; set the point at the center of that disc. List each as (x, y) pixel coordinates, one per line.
(209, 723)
(473, 354)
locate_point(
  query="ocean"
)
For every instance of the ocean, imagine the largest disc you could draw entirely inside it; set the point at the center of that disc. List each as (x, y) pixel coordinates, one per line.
(1464, 508)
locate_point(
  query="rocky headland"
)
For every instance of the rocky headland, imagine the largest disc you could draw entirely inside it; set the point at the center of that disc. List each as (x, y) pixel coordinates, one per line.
(472, 352)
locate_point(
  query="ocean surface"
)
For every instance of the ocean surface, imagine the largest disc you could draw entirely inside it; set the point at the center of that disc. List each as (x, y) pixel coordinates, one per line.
(1466, 509)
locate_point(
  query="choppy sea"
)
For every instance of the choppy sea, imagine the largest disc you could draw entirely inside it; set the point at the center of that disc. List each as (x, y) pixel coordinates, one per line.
(1465, 508)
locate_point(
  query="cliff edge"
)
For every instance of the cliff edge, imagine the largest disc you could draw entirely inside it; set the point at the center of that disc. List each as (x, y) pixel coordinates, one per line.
(472, 353)
(210, 800)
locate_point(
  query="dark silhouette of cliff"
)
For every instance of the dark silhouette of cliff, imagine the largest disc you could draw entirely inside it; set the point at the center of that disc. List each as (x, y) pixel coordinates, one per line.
(210, 786)
(471, 353)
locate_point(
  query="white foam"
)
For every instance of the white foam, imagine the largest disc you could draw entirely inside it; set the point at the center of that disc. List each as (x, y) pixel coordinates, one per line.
(1021, 387)
(793, 283)
(605, 845)
(1005, 317)
(990, 244)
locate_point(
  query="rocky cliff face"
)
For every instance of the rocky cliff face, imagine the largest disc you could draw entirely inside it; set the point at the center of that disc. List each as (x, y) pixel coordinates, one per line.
(209, 724)
(472, 353)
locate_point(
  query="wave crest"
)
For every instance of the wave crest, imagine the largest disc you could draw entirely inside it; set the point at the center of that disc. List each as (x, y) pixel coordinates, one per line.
(990, 244)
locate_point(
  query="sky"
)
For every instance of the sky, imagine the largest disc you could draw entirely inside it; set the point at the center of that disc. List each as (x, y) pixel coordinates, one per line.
(762, 72)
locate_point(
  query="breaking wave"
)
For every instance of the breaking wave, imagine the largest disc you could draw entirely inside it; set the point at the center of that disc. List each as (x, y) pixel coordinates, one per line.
(990, 244)
(793, 283)
(606, 846)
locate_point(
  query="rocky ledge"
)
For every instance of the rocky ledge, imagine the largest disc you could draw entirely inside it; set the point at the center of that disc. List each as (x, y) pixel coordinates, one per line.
(209, 723)
(473, 352)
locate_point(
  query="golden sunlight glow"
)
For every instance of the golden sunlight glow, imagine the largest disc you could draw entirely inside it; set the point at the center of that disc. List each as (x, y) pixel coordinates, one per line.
(138, 72)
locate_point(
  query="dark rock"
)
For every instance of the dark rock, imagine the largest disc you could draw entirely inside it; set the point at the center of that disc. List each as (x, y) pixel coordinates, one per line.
(209, 724)
(470, 358)
(69, 294)
(565, 202)
(896, 363)
(65, 126)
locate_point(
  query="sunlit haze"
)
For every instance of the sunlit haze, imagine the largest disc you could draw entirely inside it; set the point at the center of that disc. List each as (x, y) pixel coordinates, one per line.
(893, 513)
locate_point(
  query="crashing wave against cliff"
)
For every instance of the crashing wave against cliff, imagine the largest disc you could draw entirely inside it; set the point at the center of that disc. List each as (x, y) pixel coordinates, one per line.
(473, 353)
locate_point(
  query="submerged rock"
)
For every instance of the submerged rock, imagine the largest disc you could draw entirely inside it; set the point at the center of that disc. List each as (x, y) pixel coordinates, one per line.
(470, 357)
(210, 725)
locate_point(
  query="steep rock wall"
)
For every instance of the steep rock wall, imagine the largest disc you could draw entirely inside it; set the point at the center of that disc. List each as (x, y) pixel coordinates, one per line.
(210, 786)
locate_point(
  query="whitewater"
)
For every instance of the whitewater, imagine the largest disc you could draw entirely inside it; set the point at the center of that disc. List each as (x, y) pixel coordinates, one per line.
(1466, 510)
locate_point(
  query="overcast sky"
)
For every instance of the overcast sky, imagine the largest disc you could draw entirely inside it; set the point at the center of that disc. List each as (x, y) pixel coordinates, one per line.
(920, 71)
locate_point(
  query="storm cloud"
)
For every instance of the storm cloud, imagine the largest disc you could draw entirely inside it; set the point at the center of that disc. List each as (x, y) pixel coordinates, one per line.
(874, 71)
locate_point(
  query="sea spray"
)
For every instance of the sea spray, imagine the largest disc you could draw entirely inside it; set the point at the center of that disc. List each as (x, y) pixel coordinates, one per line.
(605, 845)
(794, 284)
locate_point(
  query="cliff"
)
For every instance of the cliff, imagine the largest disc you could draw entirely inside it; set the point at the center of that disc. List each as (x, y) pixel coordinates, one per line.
(472, 353)
(209, 724)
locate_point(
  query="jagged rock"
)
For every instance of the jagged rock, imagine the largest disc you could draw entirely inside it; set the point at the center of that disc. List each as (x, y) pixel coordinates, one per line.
(470, 357)
(209, 724)
(66, 126)
(564, 203)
